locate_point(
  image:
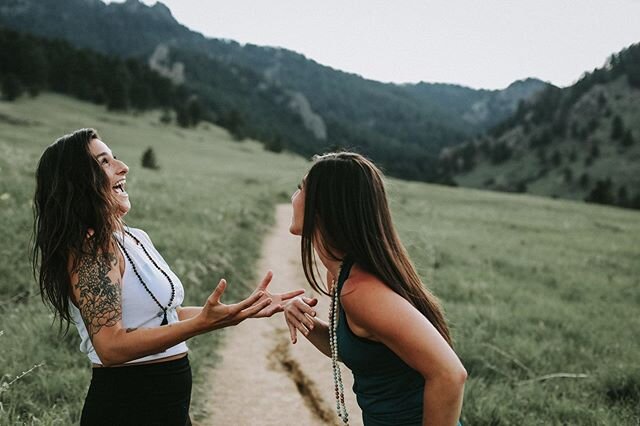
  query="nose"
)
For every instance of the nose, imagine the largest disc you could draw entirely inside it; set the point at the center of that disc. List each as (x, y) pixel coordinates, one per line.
(124, 169)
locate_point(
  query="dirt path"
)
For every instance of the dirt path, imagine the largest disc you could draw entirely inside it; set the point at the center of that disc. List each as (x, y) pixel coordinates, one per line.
(262, 379)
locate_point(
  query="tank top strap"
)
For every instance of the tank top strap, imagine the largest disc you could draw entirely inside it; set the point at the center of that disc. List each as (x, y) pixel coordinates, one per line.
(345, 270)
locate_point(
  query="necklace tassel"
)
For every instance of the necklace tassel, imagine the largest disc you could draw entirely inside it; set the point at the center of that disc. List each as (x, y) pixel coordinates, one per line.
(164, 319)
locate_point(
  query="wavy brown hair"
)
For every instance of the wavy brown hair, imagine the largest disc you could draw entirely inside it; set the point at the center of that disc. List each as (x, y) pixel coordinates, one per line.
(73, 196)
(346, 211)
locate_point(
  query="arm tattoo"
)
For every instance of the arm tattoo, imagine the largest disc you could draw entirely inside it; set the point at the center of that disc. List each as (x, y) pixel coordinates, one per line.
(99, 298)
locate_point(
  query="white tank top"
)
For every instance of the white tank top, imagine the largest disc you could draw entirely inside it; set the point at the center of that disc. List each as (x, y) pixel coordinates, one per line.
(138, 308)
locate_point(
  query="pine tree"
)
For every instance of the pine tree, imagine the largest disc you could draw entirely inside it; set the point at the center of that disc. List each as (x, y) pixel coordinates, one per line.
(12, 87)
(584, 180)
(623, 197)
(627, 139)
(601, 193)
(617, 128)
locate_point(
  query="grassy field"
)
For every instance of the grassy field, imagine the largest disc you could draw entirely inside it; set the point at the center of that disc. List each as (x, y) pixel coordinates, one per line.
(543, 295)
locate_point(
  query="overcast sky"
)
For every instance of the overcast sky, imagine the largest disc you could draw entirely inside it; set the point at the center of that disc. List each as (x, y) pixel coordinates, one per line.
(476, 43)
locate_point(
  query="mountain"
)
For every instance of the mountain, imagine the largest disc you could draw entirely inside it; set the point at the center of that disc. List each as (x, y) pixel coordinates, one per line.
(276, 95)
(580, 142)
(478, 110)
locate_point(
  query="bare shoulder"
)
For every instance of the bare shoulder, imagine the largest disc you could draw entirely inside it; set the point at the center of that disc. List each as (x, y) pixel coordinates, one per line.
(368, 302)
(362, 286)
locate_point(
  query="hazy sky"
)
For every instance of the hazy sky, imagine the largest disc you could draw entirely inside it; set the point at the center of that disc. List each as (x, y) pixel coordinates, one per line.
(477, 43)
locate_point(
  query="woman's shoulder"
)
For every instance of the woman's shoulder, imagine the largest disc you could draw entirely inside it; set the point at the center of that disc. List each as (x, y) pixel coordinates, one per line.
(363, 286)
(362, 281)
(367, 301)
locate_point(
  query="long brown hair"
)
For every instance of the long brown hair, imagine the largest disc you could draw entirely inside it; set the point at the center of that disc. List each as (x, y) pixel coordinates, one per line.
(73, 196)
(346, 211)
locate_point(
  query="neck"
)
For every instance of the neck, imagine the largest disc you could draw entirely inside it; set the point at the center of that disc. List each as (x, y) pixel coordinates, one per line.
(332, 265)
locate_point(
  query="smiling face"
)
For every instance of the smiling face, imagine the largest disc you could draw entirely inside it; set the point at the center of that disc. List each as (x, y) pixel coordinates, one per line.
(115, 170)
(297, 201)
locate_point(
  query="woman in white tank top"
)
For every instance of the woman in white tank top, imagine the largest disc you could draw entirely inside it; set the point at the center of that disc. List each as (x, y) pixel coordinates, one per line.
(113, 285)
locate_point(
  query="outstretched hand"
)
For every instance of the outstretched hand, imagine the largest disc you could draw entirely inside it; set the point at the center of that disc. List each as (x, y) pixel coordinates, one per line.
(278, 299)
(216, 314)
(299, 314)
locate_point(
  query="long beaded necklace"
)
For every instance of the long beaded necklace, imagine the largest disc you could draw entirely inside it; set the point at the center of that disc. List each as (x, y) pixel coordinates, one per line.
(173, 288)
(341, 408)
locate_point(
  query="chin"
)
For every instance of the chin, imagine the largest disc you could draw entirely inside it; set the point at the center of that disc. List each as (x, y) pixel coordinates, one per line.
(295, 231)
(124, 210)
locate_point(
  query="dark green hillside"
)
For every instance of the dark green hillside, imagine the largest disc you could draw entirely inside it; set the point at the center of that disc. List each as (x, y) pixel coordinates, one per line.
(275, 95)
(581, 142)
(30, 64)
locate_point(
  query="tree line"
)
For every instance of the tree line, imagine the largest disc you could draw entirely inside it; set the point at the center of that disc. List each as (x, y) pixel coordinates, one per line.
(29, 65)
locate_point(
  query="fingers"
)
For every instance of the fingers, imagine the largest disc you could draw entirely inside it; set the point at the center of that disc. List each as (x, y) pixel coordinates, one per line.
(291, 294)
(265, 281)
(301, 316)
(294, 322)
(244, 304)
(292, 333)
(254, 309)
(217, 293)
(311, 301)
(306, 307)
(302, 323)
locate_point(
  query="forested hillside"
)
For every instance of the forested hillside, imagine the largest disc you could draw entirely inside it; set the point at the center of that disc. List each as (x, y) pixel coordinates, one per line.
(31, 64)
(581, 142)
(277, 96)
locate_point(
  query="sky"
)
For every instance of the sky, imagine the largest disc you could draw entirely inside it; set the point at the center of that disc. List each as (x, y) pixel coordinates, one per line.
(477, 43)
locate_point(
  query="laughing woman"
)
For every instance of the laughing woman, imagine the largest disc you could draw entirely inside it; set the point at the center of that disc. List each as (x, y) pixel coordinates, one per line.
(384, 325)
(112, 284)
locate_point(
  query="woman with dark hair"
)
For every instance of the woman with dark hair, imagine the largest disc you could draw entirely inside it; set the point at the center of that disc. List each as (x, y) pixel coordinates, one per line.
(384, 324)
(112, 284)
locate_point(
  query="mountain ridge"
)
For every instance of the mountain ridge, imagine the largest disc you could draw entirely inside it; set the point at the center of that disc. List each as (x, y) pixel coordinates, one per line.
(579, 142)
(396, 125)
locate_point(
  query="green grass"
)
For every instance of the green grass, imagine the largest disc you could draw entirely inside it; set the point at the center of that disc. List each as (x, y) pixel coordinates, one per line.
(206, 209)
(531, 286)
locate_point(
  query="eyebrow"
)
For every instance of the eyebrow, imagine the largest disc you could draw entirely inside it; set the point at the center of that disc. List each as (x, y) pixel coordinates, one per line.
(102, 154)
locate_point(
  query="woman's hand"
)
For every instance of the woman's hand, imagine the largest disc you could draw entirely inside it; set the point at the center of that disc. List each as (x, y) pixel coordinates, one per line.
(299, 314)
(277, 299)
(215, 314)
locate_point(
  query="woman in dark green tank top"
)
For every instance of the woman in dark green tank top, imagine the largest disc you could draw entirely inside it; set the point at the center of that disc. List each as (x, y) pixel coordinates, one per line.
(385, 326)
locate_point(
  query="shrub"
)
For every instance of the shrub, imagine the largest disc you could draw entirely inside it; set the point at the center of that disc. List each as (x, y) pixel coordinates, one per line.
(149, 159)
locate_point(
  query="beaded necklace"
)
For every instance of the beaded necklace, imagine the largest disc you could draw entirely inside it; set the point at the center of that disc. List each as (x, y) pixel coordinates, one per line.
(341, 408)
(173, 289)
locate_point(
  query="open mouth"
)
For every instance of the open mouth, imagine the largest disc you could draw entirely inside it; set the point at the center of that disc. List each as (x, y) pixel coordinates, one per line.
(120, 187)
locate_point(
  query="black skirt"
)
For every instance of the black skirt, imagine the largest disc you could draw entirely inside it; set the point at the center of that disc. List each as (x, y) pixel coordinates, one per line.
(149, 394)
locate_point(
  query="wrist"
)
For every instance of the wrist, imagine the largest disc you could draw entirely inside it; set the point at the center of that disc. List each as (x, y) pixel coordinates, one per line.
(199, 324)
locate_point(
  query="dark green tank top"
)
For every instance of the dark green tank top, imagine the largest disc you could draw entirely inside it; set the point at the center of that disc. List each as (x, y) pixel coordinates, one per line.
(388, 391)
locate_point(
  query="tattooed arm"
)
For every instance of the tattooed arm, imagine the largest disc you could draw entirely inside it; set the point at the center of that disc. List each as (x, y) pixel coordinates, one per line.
(97, 289)
(96, 286)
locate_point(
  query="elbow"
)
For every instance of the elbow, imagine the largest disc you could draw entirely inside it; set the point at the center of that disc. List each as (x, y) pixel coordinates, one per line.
(461, 376)
(450, 381)
(457, 377)
(111, 355)
(109, 359)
